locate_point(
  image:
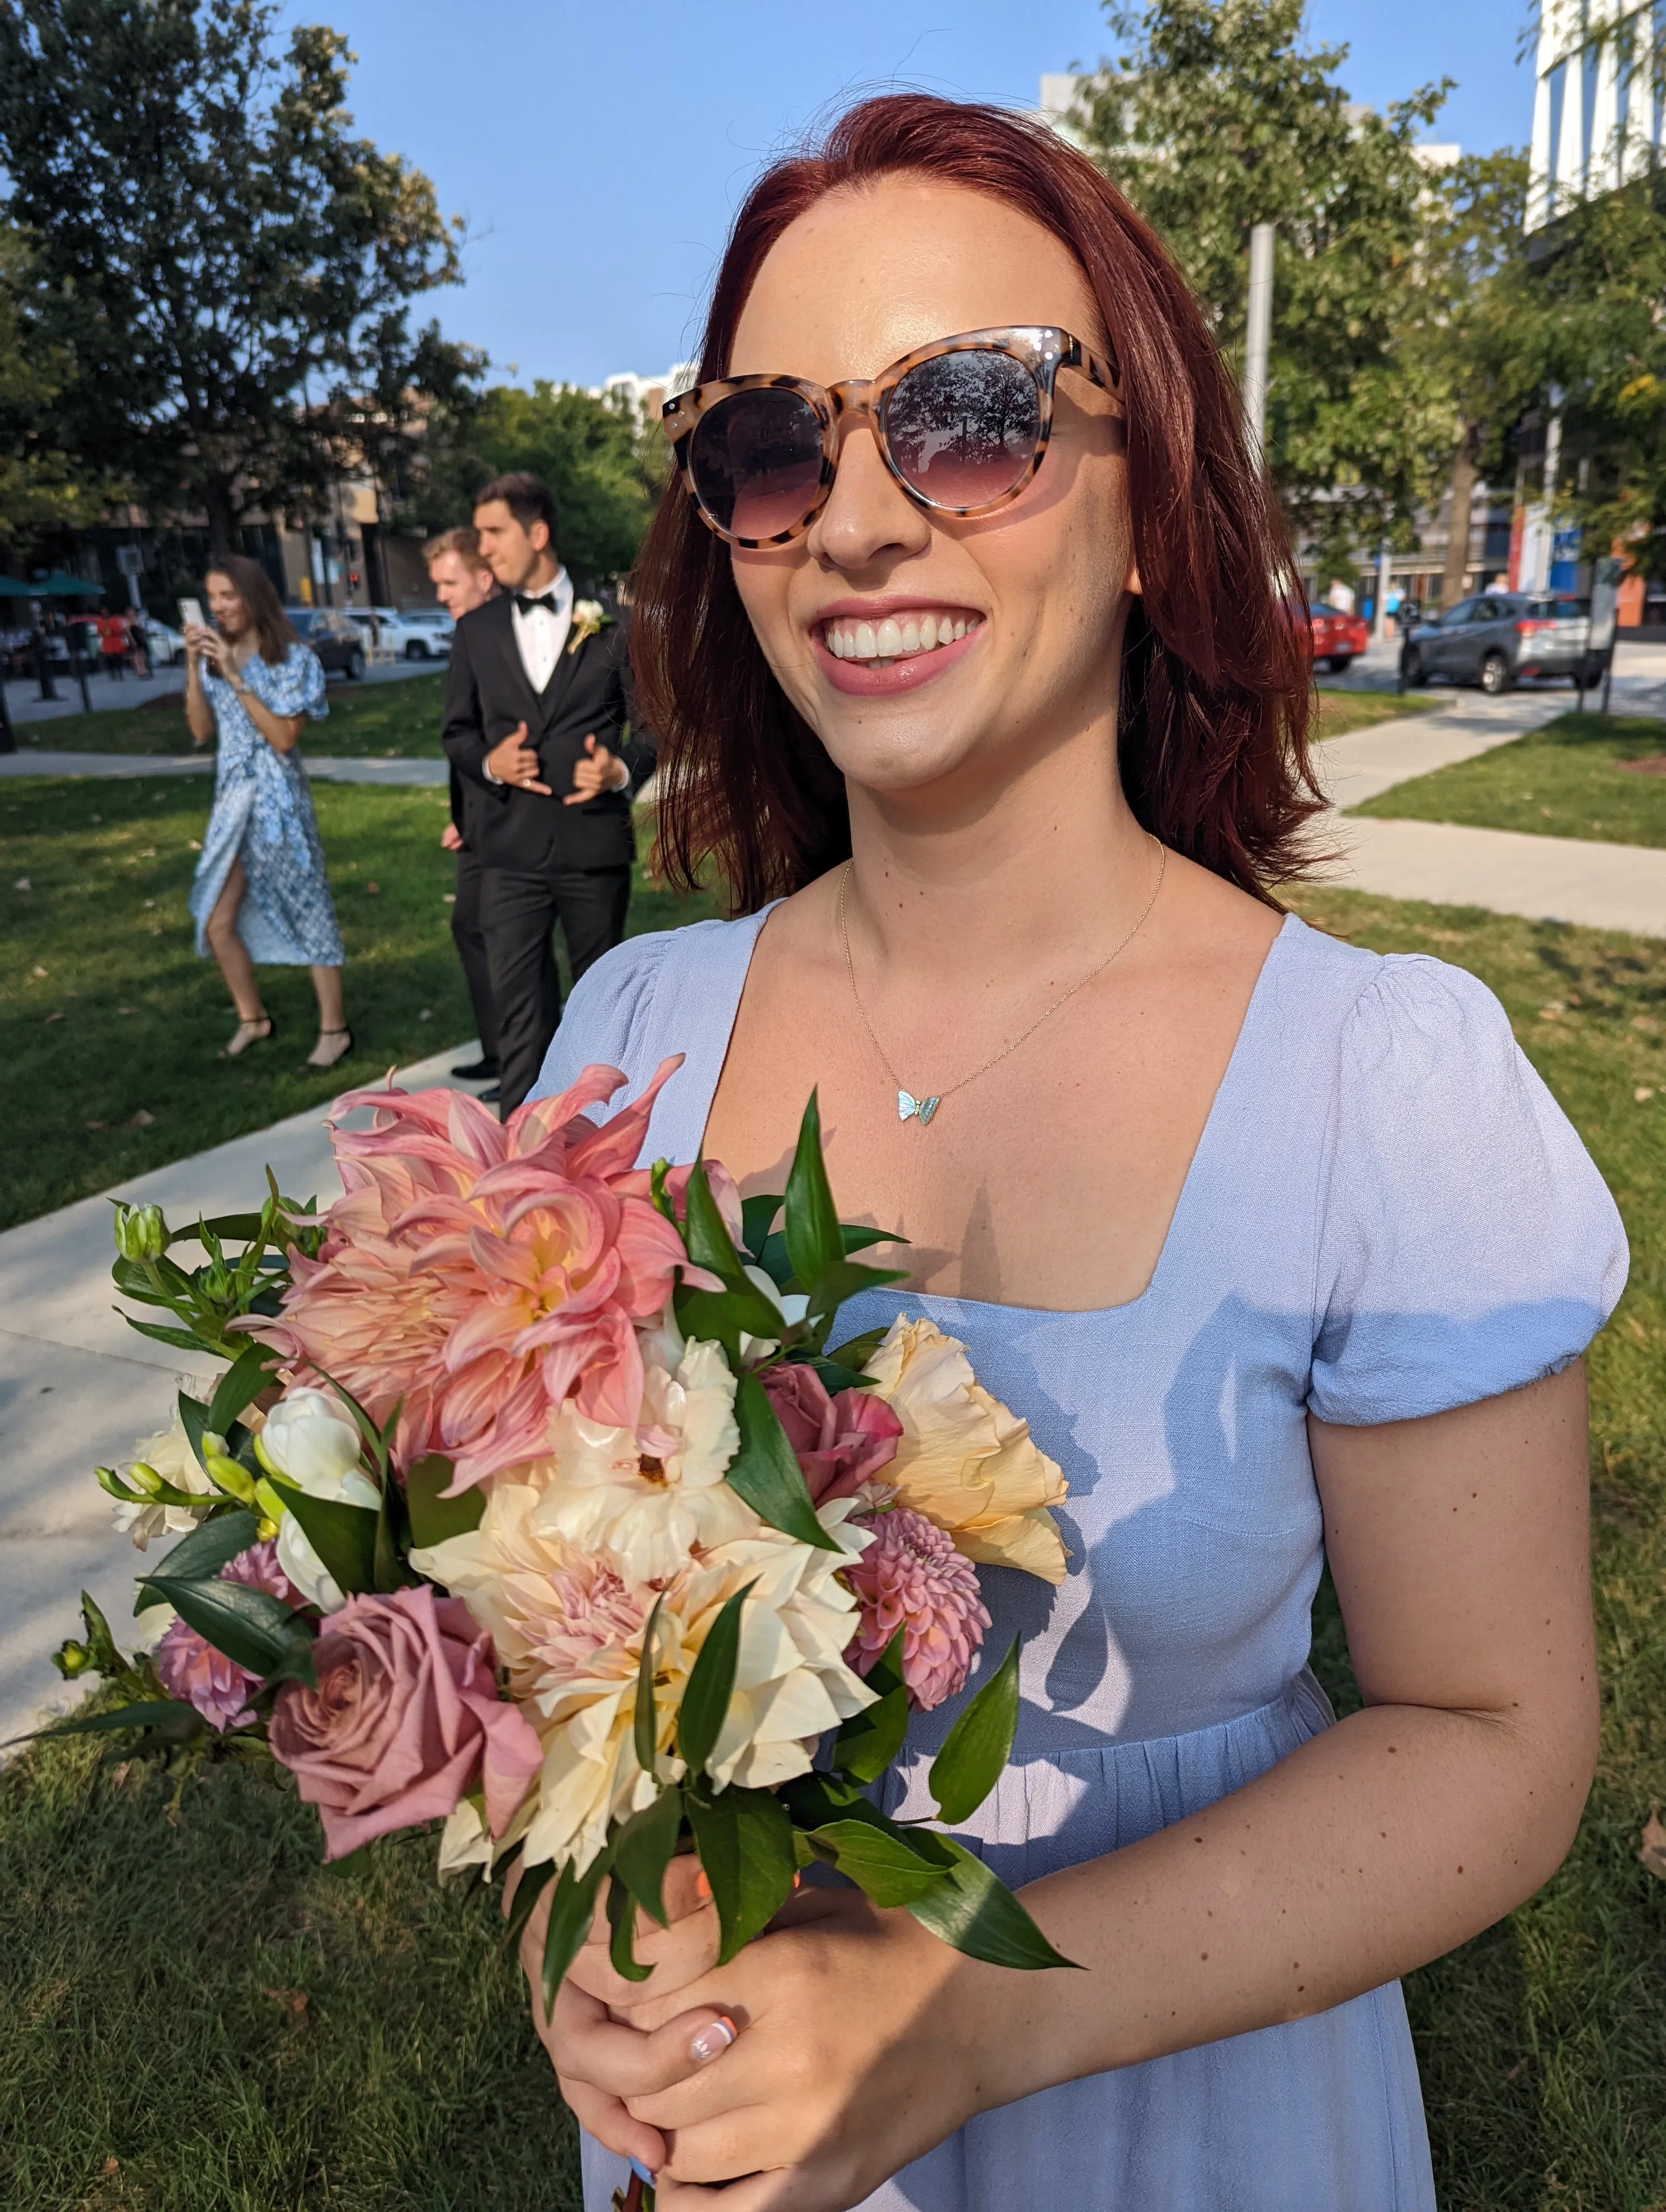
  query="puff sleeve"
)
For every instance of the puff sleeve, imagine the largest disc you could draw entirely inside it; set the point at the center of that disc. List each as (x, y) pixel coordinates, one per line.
(1467, 1244)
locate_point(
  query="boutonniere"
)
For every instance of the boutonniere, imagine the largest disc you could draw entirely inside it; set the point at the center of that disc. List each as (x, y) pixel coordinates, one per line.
(588, 616)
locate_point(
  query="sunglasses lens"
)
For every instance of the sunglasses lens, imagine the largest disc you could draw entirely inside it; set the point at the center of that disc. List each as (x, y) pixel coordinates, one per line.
(755, 460)
(962, 427)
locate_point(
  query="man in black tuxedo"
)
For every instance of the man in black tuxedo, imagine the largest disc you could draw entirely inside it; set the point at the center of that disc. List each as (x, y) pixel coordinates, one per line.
(462, 582)
(535, 716)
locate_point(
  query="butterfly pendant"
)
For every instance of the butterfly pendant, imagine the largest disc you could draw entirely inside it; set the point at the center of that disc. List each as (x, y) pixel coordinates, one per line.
(917, 1110)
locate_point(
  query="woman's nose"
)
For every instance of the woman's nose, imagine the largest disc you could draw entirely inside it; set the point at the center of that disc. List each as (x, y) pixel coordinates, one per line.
(868, 517)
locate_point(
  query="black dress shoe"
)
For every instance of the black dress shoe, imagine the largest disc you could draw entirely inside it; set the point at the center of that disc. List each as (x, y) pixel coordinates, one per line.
(489, 1098)
(475, 1071)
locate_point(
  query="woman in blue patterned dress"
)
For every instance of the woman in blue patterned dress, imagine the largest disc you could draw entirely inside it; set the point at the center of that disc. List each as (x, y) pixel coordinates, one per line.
(260, 894)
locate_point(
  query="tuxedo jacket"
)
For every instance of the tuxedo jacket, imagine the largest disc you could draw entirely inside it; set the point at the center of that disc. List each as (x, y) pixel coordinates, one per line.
(489, 693)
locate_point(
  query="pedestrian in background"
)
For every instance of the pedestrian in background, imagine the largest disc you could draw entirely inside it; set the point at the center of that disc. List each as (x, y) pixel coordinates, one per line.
(462, 581)
(535, 719)
(260, 896)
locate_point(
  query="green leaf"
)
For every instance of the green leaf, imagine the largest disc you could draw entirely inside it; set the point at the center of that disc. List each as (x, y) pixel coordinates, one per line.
(710, 1686)
(981, 1917)
(857, 1351)
(534, 1881)
(889, 1867)
(744, 1839)
(842, 1279)
(182, 1340)
(643, 1849)
(235, 1228)
(647, 1719)
(766, 1475)
(815, 1798)
(723, 1315)
(166, 1714)
(572, 1909)
(977, 1748)
(776, 1265)
(250, 1626)
(240, 1385)
(813, 1238)
(200, 1556)
(622, 1920)
(704, 1231)
(757, 1216)
(435, 1518)
(193, 1417)
(866, 1746)
(342, 1535)
(837, 1378)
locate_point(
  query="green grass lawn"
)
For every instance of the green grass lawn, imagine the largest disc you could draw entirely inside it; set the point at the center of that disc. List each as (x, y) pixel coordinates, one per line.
(1576, 777)
(399, 720)
(196, 2020)
(1343, 711)
(106, 1012)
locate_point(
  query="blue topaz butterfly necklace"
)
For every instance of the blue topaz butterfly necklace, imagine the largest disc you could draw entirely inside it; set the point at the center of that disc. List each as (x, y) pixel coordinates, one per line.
(910, 1108)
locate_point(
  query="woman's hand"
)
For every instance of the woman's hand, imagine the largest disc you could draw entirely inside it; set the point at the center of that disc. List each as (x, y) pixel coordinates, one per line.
(829, 2053)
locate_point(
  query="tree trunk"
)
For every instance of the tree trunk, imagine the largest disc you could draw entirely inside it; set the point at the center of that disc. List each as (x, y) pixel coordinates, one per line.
(1458, 528)
(221, 519)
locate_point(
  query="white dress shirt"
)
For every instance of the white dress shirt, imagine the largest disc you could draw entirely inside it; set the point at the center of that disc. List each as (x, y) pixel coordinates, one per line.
(541, 635)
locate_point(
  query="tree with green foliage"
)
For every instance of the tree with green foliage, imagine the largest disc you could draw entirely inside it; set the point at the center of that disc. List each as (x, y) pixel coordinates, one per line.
(225, 269)
(1216, 116)
(41, 488)
(604, 468)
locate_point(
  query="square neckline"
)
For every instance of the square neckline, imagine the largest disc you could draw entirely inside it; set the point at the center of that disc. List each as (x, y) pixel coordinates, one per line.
(1292, 928)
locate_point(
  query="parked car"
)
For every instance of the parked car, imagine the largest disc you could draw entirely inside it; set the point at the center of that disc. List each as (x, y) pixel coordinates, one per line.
(165, 647)
(1497, 637)
(433, 625)
(1338, 638)
(334, 636)
(408, 637)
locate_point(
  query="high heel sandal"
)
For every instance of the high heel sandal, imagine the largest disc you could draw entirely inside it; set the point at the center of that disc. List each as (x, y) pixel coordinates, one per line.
(248, 1033)
(313, 1060)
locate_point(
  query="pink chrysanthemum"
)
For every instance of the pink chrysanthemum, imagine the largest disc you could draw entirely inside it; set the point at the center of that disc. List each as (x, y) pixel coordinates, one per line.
(481, 1272)
(911, 1577)
(188, 1666)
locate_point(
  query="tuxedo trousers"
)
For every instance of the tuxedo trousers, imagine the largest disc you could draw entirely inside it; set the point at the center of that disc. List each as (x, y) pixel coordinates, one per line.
(470, 938)
(520, 909)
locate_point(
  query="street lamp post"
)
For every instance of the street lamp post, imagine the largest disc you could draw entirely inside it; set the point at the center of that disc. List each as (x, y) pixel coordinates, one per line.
(1258, 332)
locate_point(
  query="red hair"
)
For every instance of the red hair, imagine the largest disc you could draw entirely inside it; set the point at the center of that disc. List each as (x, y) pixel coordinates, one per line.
(1215, 684)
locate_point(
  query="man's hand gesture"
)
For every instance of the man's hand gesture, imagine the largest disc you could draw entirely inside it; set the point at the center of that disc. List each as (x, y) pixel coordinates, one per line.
(599, 771)
(514, 763)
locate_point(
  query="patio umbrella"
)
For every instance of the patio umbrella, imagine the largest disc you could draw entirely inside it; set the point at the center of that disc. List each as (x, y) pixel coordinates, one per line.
(57, 585)
(11, 589)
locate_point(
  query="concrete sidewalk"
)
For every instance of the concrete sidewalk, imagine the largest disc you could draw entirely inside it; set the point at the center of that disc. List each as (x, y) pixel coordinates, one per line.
(428, 774)
(77, 1386)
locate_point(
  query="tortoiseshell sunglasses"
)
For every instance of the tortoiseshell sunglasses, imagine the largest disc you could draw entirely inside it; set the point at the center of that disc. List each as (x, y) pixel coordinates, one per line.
(963, 426)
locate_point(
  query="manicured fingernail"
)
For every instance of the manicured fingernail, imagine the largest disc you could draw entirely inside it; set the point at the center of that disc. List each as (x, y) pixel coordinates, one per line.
(702, 1884)
(712, 2041)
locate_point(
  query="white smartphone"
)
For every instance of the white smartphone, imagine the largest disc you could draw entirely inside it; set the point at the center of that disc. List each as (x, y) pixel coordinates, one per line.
(191, 610)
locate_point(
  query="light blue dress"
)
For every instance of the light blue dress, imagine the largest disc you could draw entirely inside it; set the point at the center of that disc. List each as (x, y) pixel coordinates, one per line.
(1388, 1215)
(263, 814)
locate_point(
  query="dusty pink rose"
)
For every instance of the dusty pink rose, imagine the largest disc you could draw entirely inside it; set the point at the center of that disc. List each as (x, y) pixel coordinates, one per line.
(482, 1273)
(838, 1442)
(189, 1666)
(911, 1577)
(405, 1722)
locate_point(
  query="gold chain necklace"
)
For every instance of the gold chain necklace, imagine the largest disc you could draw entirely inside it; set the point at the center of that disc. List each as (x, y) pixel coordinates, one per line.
(908, 1107)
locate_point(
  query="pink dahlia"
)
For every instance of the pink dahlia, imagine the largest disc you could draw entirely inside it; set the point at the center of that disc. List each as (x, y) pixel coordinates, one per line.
(839, 1442)
(478, 1274)
(189, 1668)
(911, 1577)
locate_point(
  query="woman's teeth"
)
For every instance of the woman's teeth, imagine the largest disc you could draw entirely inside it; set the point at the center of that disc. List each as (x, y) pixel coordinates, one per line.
(896, 636)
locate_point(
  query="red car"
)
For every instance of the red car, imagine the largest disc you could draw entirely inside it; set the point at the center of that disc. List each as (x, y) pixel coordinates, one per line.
(1338, 638)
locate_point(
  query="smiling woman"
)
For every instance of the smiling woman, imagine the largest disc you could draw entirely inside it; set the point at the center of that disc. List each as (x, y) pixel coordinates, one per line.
(964, 631)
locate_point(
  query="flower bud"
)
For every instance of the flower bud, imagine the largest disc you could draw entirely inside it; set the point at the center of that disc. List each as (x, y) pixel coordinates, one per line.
(236, 1481)
(270, 1503)
(71, 1659)
(141, 1232)
(144, 1476)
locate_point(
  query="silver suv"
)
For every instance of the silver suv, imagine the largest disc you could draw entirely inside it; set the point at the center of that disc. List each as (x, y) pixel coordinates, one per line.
(1497, 637)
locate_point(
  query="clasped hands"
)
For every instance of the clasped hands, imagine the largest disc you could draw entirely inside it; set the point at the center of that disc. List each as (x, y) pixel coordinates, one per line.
(832, 2050)
(515, 762)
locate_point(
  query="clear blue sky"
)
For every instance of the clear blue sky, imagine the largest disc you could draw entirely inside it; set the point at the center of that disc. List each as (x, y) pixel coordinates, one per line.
(597, 148)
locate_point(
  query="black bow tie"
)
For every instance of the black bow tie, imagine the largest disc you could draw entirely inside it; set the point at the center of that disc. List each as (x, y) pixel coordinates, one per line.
(525, 606)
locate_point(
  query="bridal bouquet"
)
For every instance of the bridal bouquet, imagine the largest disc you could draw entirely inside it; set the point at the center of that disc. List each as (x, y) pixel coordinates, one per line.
(533, 1501)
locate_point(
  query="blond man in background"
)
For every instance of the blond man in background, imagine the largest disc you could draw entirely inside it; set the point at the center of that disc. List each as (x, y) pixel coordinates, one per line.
(462, 581)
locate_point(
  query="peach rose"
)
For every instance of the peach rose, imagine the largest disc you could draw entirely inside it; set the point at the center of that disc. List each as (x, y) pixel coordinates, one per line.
(405, 1720)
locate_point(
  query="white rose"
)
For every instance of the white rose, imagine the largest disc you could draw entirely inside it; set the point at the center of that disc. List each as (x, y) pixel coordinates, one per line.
(311, 1440)
(170, 1452)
